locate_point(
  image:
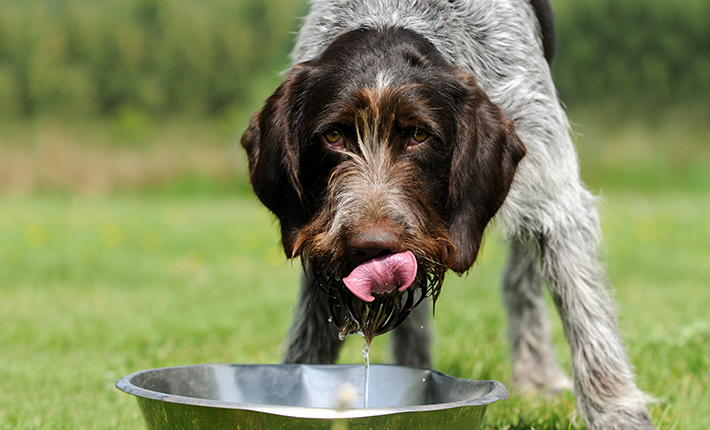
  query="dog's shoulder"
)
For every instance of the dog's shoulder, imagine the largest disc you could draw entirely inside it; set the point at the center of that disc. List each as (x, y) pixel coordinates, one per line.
(448, 24)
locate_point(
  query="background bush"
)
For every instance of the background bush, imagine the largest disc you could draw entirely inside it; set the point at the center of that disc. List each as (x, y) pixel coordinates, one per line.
(91, 57)
(636, 55)
(208, 57)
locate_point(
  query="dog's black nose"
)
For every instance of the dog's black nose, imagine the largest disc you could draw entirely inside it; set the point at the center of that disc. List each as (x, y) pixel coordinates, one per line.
(373, 243)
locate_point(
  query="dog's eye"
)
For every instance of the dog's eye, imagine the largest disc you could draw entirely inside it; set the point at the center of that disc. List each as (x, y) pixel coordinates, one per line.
(333, 137)
(419, 136)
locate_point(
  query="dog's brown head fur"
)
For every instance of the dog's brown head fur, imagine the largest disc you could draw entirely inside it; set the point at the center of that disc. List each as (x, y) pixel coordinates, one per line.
(381, 146)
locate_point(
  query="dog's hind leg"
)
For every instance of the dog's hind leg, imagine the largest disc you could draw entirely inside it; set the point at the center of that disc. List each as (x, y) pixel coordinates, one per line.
(534, 366)
(312, 338)
(411, 339)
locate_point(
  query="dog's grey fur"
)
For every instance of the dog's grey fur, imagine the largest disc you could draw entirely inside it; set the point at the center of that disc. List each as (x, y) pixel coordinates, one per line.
(549, 216)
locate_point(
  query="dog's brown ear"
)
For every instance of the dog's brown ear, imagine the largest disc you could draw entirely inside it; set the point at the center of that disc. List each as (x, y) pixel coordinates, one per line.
(271, 143)
(485, 156)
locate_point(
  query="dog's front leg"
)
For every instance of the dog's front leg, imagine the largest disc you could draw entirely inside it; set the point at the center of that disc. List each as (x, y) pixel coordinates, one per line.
(534, 366)
(312, 338)
(607, 395)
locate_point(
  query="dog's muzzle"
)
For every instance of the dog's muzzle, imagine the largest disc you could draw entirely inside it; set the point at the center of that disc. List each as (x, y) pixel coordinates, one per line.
(378, 295)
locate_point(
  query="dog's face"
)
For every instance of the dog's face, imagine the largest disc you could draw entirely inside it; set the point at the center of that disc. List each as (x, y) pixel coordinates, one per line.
(383, 163)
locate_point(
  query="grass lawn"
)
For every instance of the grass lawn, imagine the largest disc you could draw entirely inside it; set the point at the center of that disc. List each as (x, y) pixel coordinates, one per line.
(93, 289)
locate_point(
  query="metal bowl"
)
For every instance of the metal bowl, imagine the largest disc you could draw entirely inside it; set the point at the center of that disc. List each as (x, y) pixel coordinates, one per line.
(223, 396)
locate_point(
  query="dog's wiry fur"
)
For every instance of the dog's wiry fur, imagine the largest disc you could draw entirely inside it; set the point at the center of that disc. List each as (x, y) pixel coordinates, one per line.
(466, 71)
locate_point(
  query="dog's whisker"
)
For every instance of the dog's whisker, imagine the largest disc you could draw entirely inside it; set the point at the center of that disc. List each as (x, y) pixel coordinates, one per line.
(433, 262)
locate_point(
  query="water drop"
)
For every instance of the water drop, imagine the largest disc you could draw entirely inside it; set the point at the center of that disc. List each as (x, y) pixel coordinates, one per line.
(423, 379)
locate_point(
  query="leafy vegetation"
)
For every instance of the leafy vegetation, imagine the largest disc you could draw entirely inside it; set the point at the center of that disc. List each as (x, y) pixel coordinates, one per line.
(77, 58)
(95, 58)
(636, 56)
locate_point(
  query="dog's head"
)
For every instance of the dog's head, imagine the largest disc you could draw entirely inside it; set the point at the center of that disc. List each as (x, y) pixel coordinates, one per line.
(383, 163)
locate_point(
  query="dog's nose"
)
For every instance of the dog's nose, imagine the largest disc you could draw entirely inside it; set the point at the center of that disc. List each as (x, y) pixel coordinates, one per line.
(373, 243)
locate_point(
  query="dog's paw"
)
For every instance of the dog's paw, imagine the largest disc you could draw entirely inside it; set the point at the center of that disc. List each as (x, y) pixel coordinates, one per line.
(626, 412)
(631, 419)
(533, 378)
(551, 385)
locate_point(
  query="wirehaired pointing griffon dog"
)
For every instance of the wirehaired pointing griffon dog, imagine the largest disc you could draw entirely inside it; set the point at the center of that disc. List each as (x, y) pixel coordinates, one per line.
(402, 128)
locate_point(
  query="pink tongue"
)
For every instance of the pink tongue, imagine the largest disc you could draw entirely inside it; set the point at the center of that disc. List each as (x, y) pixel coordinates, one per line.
(382, 275)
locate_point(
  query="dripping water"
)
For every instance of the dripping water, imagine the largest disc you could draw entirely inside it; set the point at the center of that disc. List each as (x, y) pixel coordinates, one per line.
(366, 355)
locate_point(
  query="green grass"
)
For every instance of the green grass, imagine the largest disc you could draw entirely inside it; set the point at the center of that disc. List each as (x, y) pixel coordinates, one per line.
(93, 289)
(183, 267)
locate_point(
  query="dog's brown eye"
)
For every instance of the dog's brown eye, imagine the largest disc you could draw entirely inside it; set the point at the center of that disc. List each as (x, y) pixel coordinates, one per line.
(419, 136)
(333, 137)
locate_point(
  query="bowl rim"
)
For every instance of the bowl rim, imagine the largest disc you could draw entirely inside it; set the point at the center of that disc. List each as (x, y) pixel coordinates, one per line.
(498, 392)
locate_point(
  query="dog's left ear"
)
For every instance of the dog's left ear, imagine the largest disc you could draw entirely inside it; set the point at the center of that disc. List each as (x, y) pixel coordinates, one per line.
(485, 156)
(272, 145)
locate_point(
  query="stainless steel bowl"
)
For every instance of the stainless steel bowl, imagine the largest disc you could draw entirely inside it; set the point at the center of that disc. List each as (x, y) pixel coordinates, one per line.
(222, 396)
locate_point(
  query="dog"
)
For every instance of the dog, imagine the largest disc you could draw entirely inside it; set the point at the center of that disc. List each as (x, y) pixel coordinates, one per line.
(401, 130)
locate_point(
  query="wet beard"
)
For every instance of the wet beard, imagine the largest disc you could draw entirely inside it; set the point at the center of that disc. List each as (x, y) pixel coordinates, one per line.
(369, 319)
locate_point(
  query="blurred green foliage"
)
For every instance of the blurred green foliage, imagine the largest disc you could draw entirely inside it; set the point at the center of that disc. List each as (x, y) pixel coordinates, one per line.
(95, 58)
(89, 58)
(637, 56)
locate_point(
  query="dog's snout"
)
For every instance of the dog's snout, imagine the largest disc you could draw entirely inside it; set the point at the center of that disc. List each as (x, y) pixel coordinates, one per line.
(373, 243)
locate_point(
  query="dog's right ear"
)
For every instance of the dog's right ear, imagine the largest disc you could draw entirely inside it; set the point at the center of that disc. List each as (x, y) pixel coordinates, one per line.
(271, 143)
